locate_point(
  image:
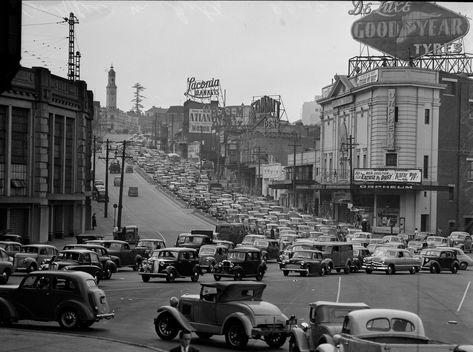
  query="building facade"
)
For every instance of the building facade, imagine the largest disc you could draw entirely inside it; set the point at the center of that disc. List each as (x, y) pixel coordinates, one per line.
(45, 157)
(394, 149)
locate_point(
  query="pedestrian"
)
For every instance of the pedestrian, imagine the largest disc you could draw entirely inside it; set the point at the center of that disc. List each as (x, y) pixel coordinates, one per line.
(185, 343)
(416, 232)
(272, 233)
(94, 221)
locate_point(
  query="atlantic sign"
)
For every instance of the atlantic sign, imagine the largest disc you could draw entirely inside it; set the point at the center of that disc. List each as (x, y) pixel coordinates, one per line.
(410, 29)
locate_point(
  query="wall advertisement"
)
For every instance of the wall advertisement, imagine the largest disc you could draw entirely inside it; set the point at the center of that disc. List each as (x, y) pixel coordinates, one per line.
(388, 175)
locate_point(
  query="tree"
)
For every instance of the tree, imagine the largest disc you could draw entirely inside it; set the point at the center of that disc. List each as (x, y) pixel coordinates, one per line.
(138, 97)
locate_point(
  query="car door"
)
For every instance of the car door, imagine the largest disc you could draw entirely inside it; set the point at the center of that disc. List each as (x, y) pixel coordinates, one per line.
(34, 298)
(184, 264)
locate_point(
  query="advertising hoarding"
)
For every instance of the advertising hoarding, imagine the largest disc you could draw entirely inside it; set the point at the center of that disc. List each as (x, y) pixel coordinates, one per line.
(388, 175)
(200, 121)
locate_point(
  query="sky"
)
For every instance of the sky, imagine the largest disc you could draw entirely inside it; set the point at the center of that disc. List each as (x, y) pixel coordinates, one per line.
(290, 49)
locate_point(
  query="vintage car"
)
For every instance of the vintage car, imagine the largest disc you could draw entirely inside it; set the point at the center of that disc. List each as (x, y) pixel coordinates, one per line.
(11, 247)
(71, 298)
(325, 320)
(385, 330)
(464, 260)
(359, 253)
(32, 256)
(416, 245)
(391, 260)
(269, 248)
(233, 309)
(108, 261)
(148, 245)
(6, 266)
(84, 237)
(340, 255)
(210, 255)
(305, 262)
(77, 259)
(438, 259)
(9, 236)
(300, 244)
(436, 241)
(171, 263)
(122, 253)
(194, 241)
(241, 262)
(462, 240)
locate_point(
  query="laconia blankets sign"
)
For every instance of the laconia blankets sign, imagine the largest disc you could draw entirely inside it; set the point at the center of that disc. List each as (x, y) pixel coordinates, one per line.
(410, 29)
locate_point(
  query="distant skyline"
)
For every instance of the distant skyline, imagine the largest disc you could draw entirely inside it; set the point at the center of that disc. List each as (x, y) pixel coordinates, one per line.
(287, 48)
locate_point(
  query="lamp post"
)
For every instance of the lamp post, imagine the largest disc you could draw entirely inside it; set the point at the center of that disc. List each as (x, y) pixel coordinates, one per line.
(114, 213)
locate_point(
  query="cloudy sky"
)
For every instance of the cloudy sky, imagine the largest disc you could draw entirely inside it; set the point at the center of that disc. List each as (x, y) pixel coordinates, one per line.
(287, 48)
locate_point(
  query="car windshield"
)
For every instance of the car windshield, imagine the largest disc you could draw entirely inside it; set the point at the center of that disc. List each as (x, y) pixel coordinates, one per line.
(380, 251)
(236, 255)
(261, 243)
(458, 236)
(166, 255)
(30, 249)
(194, 240)
(303, 255)
(207, 251)
(68, 256)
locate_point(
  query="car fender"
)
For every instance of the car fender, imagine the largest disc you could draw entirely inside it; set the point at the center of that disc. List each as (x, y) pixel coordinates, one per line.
(29, 260)
(198, 269)
(112, 265)
(84, 311)
(171, 267)
(247, 325)
(138, 258)
(7, 310)
(180, 319)
(300, 339)
(326, 347)
(237, 267)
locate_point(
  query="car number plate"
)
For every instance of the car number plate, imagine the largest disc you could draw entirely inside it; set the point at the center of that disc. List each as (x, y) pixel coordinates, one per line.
(293, 266)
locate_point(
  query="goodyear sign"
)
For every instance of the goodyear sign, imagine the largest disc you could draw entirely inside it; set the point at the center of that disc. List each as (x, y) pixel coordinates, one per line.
(410, 29)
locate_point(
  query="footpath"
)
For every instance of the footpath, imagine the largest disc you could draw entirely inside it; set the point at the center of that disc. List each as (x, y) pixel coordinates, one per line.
(16, 340)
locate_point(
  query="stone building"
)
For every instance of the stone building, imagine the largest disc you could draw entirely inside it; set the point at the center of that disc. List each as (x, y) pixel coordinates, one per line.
(45, 155)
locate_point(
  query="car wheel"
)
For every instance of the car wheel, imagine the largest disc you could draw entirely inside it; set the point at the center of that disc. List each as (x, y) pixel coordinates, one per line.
(454, 269)
(137, 265)
(235, 336)
(285, 272)
(329, 269)
(145, 278)
(69, 319)
(238, 276)
(171, 276)
(463, 266)
(165, 326)
(369, 271)
(195, 276)
(434, 269)
(322, 271)
(390, 270)
(107, 275)
(346, 269)
(303, 273)
(275, 340)
(337, 270)
(412, 270)
(4, 277)
(217, 277)
(204, 335)
(259, 275)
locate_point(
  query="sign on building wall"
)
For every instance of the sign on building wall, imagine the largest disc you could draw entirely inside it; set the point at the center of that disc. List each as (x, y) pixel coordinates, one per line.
(387, 175)
(273, 171)
(391, 120)
(200, 121)
(267, 110)
(202, 89)
(193, 150)
(410, 29)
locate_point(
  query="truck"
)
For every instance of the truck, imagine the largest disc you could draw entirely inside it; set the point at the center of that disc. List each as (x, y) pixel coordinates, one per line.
(379, 330)
(325, 321)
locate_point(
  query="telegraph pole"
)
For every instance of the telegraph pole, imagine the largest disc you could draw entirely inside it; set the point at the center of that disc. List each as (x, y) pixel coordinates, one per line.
(350, 145)
(258, 178)
(95, 148)
(120, 199)
(105, 210)
(295, 145)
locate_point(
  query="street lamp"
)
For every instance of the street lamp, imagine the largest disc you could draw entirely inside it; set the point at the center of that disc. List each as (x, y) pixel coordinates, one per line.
(115, 206)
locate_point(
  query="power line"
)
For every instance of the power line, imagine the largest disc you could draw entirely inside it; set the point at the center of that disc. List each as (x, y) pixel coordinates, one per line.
(38, 24)
(35, 8)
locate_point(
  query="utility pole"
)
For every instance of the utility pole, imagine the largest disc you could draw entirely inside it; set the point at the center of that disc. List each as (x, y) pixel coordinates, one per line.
(71, 63)
(295, 145)
(350, 145)
(95, 148)
(258, 177)
(120, 197)
(105, 210)
(200, 148)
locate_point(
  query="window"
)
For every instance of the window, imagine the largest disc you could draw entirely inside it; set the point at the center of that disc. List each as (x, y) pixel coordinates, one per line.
(451, 192)
(426, 166)
(19, 136)
(427, 116)
(396, 114)
(470, 170)
(391, 159)
(380, 324)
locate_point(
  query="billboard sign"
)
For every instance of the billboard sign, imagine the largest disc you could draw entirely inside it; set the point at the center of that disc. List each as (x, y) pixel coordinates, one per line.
(410, 29)
(200, 121)
(202, 89)
(387, 175)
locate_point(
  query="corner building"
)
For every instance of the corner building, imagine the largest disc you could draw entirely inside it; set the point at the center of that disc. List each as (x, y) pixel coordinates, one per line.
(45, 155)
(387, 121)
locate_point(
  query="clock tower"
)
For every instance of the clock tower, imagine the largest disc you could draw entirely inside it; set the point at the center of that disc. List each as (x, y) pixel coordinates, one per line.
(111, 90)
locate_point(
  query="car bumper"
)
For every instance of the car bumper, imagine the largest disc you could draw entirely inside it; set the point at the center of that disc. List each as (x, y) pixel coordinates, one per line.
(257, 333)
(375, 267)
(106, 316)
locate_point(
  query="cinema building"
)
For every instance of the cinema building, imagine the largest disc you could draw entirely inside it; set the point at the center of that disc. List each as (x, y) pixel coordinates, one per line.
(397, 149)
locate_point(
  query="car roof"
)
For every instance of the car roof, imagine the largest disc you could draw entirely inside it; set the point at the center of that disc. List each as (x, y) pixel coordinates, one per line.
(77, 274)
(39, 245)
(245, 249)
(339, 304)
(177, 249)
(76, 250)
(225, 284)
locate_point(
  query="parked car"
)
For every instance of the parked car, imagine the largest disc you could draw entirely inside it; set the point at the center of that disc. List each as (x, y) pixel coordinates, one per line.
(117, 181)
(210, 255)
(32, 256)
(241, 262)
(438, 259)
(233, 309)
(77, 259)
(108, 262)
(6, 266)
(71, 298)
(306, 263)
(325, 320)
(129, 169)
(391, 260)
(171, 263)
(132, 191)
(462, 240)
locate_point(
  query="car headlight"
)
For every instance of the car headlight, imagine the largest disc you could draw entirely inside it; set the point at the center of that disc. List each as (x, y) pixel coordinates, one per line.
(232, 264)
(302, 263)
